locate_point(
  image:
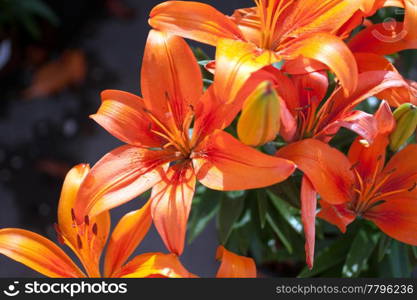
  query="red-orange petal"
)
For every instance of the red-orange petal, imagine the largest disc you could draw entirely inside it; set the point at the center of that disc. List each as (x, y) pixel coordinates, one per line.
(397, 217)
(154, 265)
(171, 80)
(123, 115)
(193, 20)
(126, 236)
(308, 217)
(370, 84)
(38, 253)
(170, 205)
(329, 50)
(223, 163)
(405, 175)
(369, 159)
(234, 266)
(118, 177)
(338, 215)
(357, 121)
(383, 39)
(333, 181)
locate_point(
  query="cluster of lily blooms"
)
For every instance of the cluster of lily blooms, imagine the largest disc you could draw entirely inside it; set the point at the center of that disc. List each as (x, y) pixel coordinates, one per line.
(175, 134)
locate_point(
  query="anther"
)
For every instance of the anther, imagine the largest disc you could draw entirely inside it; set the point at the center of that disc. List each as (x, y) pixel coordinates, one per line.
(87, 220)
(79, 243)
(72, 214)
(95, 229)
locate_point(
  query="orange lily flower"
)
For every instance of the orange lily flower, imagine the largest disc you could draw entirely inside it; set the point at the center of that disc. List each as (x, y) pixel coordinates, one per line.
(394, 96)
(87, 241)
(388, 37)
(303, 31)
(163, 151)
(304, 116)
(359, 184)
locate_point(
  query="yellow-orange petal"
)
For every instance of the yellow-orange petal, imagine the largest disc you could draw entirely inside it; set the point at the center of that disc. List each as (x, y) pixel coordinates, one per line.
(126, 236)
(154, 265)
(118, 177)
(259, 121)
(193, 20)
(171, 80)
(333, 181)
(223, 163)
(67, 229)
(329, 50)
(234, 266)
(69, 192)
(38, 253)
(123, 115)
(235, 62)
(171, 204)
(327, 16)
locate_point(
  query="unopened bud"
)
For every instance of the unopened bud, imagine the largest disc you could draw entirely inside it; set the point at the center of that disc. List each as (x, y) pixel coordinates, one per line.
(260, 118)
(406, 119)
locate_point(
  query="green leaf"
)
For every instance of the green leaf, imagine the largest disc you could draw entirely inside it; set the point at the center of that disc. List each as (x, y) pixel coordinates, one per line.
(230, 211)
(383, 246)
(275, 227)
(414, 251)
(204, 208)
(39, 8)
(362, 247)
(262, 202)
(399, 260)
(289, 213)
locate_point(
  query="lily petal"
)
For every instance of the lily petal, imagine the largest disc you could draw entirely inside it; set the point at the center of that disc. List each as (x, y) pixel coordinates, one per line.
(223, 163)
(333, 181)
(370, 83)
(369, 158)
(38, 253)
(122, 115)
(169, 62)
(126, 236)
(193, 20)
(357, 121)
(338, 215)
(67, 200)
(326, 16)
(394, 96)
(234, 266)
(171, 203)
(235, 62)
(405, 176)
(383, 39)
(308, 217)
(118, 177)
(154, 265)
(397, 217)
(329, 50)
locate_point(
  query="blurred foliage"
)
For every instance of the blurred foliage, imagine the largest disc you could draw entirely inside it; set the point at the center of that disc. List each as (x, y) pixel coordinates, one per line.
(25, 15)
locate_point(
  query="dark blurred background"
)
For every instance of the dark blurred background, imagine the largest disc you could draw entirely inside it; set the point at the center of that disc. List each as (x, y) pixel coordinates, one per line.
(55, 58)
